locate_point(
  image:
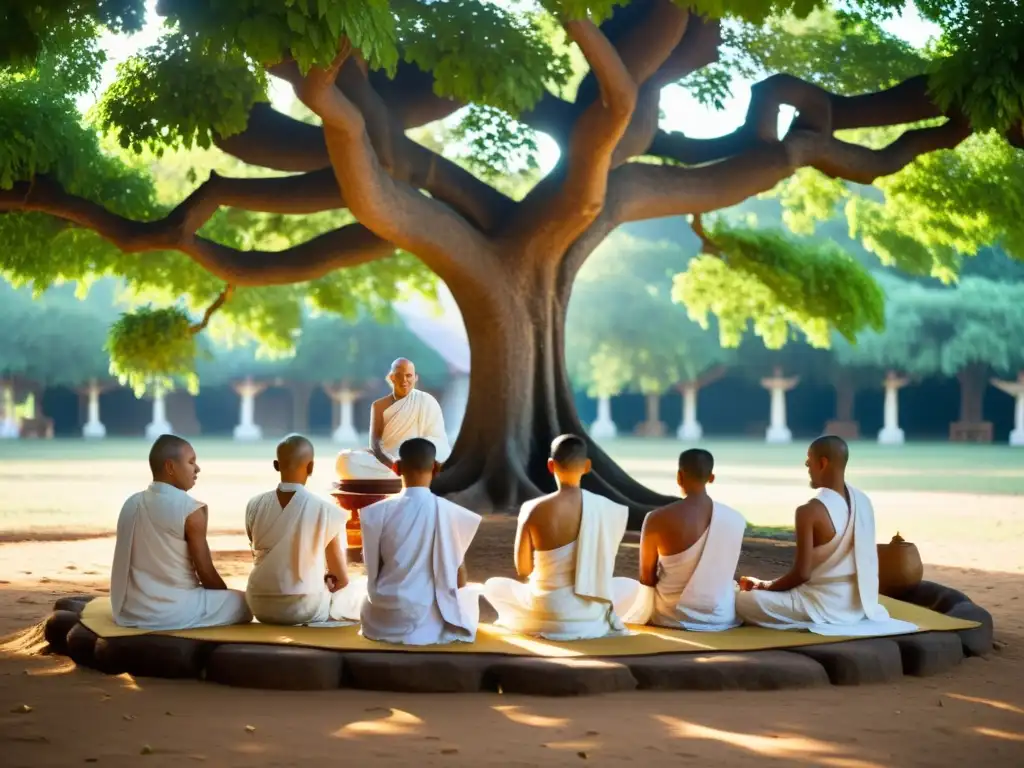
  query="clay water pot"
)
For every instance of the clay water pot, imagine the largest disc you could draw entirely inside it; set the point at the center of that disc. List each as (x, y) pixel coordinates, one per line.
(899, 567)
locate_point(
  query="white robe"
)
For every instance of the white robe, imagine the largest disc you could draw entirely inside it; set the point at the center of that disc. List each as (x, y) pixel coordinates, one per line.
(696, 589)
(153, 582)
(841, 597)
(418, 414)
(286, 585)
(571, 594)
(413, 545)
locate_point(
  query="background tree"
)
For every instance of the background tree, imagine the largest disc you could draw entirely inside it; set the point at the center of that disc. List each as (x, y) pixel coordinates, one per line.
(370, 71)
(625, 332)
(968, 331)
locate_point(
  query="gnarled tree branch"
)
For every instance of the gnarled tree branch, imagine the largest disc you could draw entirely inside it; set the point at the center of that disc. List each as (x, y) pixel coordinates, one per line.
(212, 309)
(345, 247)
(564, 204)
(391, 208)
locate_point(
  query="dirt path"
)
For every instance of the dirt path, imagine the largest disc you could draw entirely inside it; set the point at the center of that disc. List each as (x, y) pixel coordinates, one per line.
(973, 716)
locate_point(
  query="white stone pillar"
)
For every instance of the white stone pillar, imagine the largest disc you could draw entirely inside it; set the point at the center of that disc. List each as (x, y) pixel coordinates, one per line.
(93, 428)
(1016, 390)
(159, 425)
(891, 434)
(778, 430)
(454, 402)
(604, 427)
(8, 420)
(345, 432)
(247, 429)
(690, 430)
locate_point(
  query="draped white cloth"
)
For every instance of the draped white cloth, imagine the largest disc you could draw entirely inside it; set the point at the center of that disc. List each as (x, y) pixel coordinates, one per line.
(153, 582)
(418, 414)
(841, 597)
(413, 545)
(696, 589)
(286, 585)
(571, 593)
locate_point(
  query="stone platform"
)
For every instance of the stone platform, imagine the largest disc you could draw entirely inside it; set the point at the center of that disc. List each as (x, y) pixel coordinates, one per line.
(855, 662)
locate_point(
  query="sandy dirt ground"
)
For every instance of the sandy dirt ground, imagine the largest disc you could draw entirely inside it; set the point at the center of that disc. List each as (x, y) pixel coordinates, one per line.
(972, 716)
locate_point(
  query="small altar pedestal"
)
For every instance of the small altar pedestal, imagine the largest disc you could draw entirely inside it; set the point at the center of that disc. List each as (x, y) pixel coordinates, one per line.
(354, 495)
(778, 431)
(690, 430)
(603, 427)
(247, 430)
(159, 425)
(891, 434)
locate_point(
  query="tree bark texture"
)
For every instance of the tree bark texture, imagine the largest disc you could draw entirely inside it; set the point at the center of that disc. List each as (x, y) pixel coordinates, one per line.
(845, 394)
(973, 381)
(511, 265)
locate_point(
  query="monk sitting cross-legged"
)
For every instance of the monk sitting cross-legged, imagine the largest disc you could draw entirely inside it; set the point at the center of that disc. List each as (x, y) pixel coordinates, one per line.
(404, 414)
(566, 545)
(414, 548)
(296, 537)
(163, 575)
(832, 588)
(688, 555)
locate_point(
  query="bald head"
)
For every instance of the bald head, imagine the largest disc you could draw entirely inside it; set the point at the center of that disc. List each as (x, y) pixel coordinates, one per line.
(826, 462)
(294, 459)
(402, 377)
(172, 460)
(833, 448)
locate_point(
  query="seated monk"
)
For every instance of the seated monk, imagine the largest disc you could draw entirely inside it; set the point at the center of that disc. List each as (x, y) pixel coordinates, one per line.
(688, 555)
(296, 537)
(163, 575)
(566, 545)
(404, 414)
(832, 588)
(414, 546)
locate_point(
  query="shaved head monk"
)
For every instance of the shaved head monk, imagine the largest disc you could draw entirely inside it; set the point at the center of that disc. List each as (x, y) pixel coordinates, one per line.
(566, 543)
(832, 588)
(414, 547)
(404, 414)
(688, 554)
(163, 575)
(299, 574)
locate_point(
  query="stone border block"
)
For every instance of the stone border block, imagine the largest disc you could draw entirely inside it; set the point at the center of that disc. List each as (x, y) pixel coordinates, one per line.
(929, 653)
(153, 655)
(755, 671)
(58, 625)
(560, 676)
(857, 662)
(977, 641)
(275, 667)
(934, 597)
(74, 603)
(416, 673)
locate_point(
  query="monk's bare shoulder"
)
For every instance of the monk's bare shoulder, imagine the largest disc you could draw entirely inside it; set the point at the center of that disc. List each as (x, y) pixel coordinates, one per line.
(381, 404)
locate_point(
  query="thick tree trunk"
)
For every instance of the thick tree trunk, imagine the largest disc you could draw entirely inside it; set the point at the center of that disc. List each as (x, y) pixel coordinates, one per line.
(845, 392)
(520, 399)
(972, 393)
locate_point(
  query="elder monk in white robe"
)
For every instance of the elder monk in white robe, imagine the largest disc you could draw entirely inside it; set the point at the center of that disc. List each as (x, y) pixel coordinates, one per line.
(163, 576)
(299, 574)
(404, 414)
(688, 556)
(414, 549)
(832, 588)
(566, 545)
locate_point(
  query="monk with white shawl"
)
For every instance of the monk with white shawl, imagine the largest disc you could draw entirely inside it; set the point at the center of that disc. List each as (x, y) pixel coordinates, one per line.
(163, 575)
(414, 549)
(299, 574)
(688, 556)
(832, 588)
(566, 545)
(404, 414)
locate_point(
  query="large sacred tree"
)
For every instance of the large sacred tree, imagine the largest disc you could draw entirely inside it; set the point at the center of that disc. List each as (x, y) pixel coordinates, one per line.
(931, 128)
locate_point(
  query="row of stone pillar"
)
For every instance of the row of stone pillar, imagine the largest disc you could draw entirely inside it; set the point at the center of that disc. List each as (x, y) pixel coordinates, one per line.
(778, 431)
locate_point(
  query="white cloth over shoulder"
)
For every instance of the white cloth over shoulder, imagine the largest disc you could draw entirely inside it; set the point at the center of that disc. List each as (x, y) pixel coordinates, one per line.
(413, 546)
(841, 597)
(286, 585)
(571, 594)
(153, 582)
(418, 414)
(696, 589)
